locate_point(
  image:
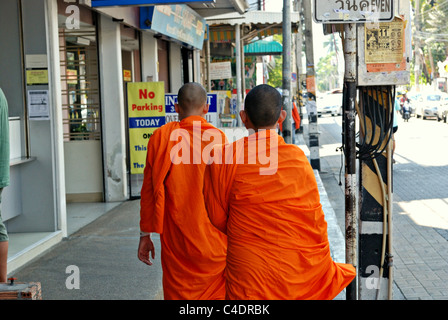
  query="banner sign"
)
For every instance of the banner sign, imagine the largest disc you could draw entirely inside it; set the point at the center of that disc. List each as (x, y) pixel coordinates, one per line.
(146, 113)
(114, 3)
(178, 22)
(172, 115)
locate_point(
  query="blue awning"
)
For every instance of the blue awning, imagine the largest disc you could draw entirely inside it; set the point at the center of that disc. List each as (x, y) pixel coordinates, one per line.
(263, 48)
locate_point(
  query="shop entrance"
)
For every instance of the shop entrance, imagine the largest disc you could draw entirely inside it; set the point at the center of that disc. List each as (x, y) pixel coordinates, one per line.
(81, 113)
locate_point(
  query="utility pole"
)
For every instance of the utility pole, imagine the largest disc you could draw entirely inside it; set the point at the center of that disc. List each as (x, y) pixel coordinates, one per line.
(350, 153)
(286, 92)
(311, 88)
(299, 41)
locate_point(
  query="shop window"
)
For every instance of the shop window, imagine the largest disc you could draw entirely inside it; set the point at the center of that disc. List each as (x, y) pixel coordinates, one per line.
(80, 88)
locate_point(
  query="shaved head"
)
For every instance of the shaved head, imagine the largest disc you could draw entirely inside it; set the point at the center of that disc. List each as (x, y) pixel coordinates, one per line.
(191, 97)
(263, 105)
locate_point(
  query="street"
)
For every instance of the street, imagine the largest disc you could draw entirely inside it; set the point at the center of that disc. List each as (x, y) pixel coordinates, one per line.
(420, 210)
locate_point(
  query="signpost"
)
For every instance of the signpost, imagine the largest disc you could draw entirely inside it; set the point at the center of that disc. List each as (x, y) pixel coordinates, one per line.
(353, 11)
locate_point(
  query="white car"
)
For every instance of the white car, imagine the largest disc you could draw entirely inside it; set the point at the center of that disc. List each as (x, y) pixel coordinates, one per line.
(428, 105)
(330, 103)
(442, 110)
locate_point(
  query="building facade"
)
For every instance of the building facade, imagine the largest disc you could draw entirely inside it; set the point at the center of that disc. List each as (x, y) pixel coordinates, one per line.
(65, 69)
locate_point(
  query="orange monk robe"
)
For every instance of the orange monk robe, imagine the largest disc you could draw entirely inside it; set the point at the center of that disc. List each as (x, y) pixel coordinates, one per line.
(295, 116)
(193, 251)
(276, 230)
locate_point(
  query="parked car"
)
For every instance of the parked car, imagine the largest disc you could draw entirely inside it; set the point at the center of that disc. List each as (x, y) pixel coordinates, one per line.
(428, 105)
(442, 111)
(330, 103)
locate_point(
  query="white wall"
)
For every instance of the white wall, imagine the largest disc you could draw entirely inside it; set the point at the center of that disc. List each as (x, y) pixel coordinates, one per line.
(113, 115)
(149, 57)
(175, 61)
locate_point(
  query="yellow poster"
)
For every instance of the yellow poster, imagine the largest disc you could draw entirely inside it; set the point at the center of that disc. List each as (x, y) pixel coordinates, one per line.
(384, 43)
(36, 76)
(146, 112)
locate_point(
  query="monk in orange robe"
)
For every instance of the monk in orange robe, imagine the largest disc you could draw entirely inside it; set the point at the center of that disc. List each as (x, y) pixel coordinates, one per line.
(193, 251)
(295, 116)
(263, 194)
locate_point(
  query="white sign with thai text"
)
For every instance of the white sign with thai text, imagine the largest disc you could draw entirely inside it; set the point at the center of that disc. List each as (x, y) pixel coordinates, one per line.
(353, 11)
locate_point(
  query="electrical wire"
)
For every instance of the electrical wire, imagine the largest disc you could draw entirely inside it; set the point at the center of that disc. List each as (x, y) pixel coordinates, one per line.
(370, 151)
(373, 145)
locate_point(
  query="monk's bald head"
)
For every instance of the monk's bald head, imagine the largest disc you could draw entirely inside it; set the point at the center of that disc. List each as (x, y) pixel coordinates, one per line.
(191, 97)
(263, 105)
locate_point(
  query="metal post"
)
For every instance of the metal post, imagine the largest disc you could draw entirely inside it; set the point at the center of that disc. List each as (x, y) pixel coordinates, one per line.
(350, 153)
(313, 130)
(299, 40)
(286, 92)
(238, 70)
(209, 82)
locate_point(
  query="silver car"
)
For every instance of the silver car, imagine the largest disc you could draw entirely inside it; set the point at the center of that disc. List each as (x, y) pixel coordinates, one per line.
(427, 105)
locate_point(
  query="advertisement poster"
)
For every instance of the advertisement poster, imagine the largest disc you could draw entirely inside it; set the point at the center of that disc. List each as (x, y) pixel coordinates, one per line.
(146, 112)
(384, 43)
(211, 116)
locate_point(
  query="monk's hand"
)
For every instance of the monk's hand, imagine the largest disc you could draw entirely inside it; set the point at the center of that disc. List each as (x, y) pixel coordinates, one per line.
(144, 248)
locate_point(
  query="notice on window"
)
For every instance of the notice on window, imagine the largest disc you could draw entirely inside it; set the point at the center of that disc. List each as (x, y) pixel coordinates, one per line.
(220, 70)
(38, 107)
(384, 42)
(146, 110)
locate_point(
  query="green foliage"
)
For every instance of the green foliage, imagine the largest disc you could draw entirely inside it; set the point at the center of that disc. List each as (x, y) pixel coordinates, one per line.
(327, 72)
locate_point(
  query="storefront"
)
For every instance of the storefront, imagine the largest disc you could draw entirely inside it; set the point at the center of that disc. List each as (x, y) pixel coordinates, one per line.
(65, 68)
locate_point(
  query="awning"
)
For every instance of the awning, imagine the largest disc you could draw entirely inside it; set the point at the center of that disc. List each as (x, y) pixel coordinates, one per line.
(263, 48)
(259, 24)
(219, 7)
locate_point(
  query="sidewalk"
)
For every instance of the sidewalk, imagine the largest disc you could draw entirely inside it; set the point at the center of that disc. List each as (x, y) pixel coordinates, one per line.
(105, 253)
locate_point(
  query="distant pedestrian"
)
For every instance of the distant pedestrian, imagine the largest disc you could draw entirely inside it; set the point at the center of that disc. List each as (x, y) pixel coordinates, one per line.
(4, 181)
(193, 250)
(277, 237)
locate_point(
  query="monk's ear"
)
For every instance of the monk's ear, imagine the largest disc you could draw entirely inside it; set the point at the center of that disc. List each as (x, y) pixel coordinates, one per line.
(205, 108)
(176, 107)
(243, 116)
(282, 116)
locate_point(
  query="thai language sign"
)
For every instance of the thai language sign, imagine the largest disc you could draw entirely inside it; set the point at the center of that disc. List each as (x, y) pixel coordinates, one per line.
(146, 113)
(353, 11)
(175, 21)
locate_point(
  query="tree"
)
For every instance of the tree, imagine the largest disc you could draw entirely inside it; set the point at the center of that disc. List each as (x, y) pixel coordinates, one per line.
(327, 75)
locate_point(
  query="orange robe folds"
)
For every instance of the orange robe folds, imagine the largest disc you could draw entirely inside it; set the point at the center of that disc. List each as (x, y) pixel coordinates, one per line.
(193, 250)
(276, 230)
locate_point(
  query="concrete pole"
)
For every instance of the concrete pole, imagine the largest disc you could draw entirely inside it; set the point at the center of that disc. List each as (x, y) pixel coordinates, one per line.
(299, 41)
(286, 92)
(313, 130)
(350, 153)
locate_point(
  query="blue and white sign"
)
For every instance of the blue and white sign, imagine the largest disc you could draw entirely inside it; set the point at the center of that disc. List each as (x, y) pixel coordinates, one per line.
(114, 3)
(172, 115)
(178, 22)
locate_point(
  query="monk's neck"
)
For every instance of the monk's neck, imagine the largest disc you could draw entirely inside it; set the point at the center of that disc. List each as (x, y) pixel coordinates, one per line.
(182, 117)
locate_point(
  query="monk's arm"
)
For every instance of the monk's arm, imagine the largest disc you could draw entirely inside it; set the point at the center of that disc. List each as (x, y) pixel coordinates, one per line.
(214, 198)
